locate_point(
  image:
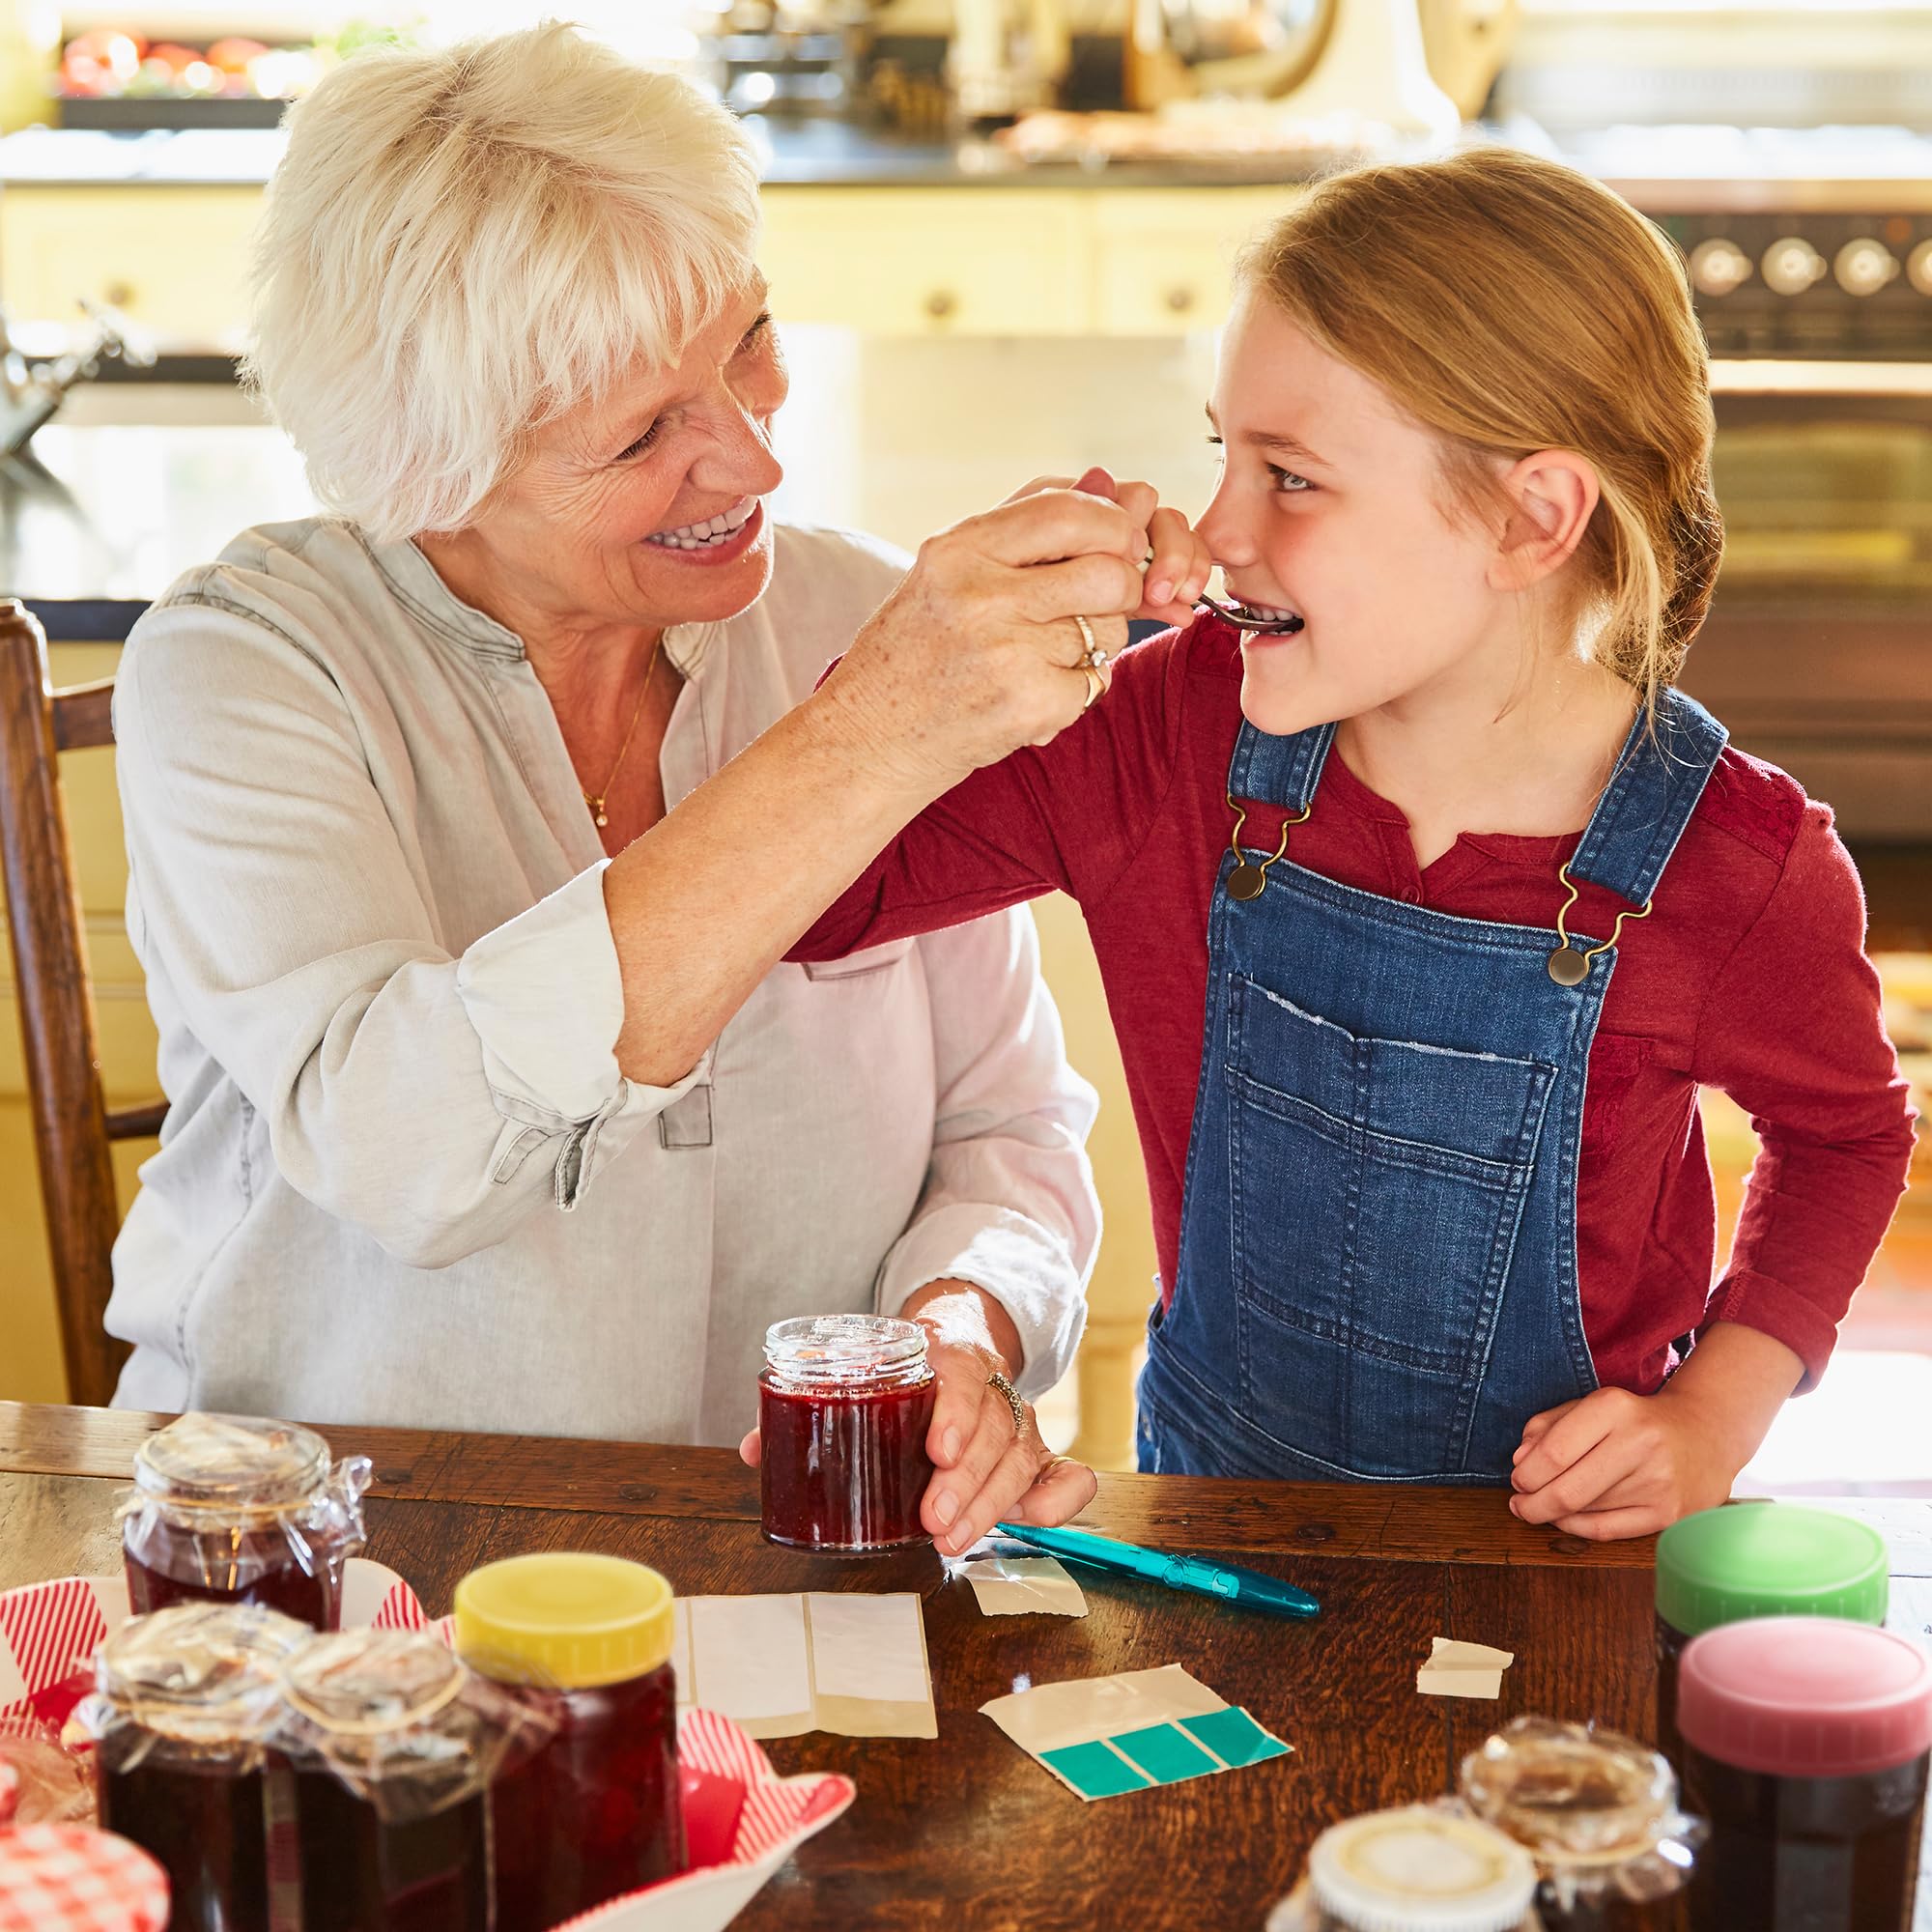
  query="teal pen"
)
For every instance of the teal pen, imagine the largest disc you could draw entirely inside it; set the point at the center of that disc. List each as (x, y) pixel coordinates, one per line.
(1249, 1588)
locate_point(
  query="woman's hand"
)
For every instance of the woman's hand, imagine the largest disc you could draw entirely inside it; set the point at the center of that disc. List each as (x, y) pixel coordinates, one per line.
(985, 1470)
(987, 1467)
(977, 652)
(1614, 1463)
(1179, 563)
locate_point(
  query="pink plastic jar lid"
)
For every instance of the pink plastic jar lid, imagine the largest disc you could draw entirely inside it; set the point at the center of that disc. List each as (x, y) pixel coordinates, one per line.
(1805, 1697)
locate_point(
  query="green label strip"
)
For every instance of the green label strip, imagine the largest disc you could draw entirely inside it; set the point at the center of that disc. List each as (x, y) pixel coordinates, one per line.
(1164, 1754)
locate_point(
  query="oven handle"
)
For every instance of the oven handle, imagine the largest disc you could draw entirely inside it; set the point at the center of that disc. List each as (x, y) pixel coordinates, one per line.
(1781, 376)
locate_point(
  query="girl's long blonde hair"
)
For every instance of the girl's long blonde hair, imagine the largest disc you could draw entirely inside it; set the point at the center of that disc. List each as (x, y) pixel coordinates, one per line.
(1511, 304)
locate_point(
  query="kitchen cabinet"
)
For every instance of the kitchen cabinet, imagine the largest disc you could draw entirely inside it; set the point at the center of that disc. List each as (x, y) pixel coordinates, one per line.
(940, 261)
(172, 259)
(886, 260)
(1164, 258)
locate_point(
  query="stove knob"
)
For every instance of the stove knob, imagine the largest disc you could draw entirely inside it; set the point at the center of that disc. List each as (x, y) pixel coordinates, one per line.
(1791, 264)
(1918, 266)
(1717, 267)
(1864, 267)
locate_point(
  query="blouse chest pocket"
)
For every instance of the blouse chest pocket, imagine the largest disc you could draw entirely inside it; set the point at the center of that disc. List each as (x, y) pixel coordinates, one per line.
(874, 959)
(1378, 1185)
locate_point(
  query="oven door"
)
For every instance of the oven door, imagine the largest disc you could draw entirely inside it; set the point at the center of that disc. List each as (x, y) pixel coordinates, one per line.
(1818, 649)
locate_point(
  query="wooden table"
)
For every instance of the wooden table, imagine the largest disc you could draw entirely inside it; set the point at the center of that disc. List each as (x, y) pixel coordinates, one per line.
(968, 1831)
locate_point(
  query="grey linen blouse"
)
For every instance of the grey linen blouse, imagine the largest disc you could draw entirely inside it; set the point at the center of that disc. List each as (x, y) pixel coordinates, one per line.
(402, 1179)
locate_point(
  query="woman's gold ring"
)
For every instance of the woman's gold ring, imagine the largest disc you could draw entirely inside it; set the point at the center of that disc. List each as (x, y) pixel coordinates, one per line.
(1096, 658)
(1095, 684)
(998, 1380)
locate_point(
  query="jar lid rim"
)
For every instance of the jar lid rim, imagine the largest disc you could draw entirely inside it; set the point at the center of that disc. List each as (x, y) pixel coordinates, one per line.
(204, 1461)
(843, 1348)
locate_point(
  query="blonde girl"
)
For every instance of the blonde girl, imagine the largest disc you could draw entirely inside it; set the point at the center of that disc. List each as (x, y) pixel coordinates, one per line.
(1425, 912)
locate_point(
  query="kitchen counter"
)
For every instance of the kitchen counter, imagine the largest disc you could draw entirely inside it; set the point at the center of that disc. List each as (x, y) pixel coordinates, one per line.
(108, 516)
(1661, 169)
(807, 153)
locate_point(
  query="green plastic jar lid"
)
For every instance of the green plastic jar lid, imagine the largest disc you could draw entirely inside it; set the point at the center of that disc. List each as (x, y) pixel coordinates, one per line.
(1768, 1560)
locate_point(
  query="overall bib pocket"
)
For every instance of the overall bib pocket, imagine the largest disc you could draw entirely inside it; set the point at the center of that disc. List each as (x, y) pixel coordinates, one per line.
(1376, 1191)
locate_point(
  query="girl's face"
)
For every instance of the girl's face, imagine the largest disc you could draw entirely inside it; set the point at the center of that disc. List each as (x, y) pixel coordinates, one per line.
(1331, 506)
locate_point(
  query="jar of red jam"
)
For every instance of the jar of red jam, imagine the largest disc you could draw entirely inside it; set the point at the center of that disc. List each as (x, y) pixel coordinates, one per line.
(845, 1407)
(393, 1744)
(1806, 1744)
(185, 1714)
(584, 1642)
(1598, 1812)
(239, 1509)
(1744, 1560)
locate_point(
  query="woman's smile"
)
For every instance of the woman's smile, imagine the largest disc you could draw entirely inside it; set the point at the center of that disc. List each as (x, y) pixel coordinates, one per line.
(707, 544)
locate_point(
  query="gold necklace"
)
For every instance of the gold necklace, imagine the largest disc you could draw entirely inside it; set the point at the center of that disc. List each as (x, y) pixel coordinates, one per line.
(595, 801)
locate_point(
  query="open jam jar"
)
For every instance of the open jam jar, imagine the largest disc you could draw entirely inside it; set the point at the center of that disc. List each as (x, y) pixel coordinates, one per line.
(239, 1509)
(1805, 1743)
(844, 1405)
(1598, 1812)
(586, 1641)
(185, 1717)
(393, 1744)
(1745, 1560)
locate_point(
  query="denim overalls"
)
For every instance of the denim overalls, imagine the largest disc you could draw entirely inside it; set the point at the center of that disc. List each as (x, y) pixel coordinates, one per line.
(1378, 1269)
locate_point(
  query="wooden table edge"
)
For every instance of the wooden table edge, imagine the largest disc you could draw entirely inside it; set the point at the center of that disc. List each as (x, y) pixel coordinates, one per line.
(1401, 1522)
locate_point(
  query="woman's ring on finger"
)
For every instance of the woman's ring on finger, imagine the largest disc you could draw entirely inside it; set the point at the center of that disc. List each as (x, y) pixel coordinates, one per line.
(1096, 658)
(1095, 684)
(998, 1380)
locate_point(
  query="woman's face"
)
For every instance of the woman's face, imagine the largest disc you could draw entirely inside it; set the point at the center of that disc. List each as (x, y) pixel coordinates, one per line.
(642, 507)
(1330, 505)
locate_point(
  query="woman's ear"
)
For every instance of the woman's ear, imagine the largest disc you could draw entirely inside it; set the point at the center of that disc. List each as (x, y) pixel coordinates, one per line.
(1551, 494)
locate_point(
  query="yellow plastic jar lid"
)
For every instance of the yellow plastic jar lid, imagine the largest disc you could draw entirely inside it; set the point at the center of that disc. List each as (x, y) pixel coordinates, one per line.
(565, 1618)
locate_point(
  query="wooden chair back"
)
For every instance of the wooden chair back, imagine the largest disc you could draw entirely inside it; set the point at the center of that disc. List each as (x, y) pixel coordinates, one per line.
(73, 1123)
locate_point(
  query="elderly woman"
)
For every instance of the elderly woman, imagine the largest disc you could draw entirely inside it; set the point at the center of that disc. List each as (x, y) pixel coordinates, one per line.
(441, 948)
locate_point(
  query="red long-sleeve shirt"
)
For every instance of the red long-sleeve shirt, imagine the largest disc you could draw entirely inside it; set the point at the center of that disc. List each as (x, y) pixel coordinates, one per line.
(1749, 976)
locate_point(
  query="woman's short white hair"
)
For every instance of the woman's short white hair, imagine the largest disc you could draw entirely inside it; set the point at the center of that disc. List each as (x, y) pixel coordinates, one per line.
(459, 245)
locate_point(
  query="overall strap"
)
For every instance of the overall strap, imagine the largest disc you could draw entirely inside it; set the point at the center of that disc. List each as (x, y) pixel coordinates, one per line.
(1661, 775)
(1279, 771)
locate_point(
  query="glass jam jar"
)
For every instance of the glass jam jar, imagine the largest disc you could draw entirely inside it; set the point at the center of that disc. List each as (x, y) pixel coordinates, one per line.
(1806, 1744)
(585, 1641)
(239, 1509)
(1420, 1868)
(1598, 1812)
(185, 1717)
(1742, 1560)
(845, 1407)
(393, 1744)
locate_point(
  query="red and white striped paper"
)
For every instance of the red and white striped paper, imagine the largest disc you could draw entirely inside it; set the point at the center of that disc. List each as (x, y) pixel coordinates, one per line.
(778, 1815)
(47, 1637)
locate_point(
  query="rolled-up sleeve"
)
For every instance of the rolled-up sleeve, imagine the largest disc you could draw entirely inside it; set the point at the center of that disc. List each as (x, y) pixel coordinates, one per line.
(430, 1095)
(1008, 1202)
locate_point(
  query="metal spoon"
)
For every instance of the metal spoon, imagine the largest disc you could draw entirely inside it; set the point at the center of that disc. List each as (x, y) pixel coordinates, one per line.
(1265, 627)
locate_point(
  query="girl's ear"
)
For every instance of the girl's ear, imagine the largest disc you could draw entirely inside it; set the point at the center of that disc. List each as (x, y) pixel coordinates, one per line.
(1552, 495)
